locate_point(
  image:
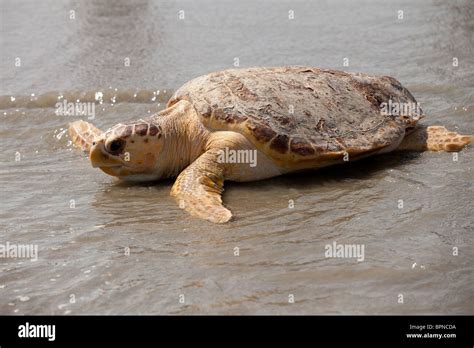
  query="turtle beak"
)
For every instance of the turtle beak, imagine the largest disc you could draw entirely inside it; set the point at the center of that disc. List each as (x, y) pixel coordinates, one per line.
(99, 158)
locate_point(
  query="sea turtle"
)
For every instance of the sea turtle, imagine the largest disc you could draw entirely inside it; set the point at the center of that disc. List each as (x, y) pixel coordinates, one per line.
(257, 123)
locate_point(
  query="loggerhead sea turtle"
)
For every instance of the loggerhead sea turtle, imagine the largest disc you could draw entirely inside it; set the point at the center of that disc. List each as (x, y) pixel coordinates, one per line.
(289, 118)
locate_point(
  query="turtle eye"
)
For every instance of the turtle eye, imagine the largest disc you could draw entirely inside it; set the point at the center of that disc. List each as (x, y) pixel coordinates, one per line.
(115, 147)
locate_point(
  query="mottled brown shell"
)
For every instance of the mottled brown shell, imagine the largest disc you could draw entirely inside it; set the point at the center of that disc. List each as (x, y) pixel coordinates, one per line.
(298, 113)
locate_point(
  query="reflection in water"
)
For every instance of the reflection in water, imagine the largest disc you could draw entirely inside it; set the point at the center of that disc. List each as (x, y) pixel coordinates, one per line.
(115, 45)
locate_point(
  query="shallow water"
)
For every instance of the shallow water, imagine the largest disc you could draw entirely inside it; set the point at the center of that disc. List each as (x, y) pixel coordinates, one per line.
(82, 265)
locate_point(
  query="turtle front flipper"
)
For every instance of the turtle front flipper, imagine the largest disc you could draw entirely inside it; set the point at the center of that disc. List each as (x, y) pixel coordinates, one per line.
(83, 133)
(199, 187)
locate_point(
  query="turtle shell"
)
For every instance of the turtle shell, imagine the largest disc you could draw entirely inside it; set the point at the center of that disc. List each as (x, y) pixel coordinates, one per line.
(296, 114)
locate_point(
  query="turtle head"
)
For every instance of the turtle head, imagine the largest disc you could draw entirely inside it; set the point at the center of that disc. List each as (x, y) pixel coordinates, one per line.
(129, 151)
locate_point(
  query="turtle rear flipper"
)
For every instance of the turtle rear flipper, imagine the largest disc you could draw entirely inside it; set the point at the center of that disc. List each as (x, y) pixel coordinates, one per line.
(434, 138)
(83, 133)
